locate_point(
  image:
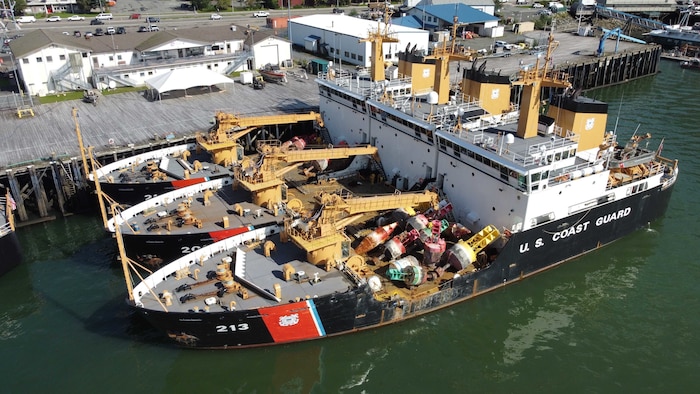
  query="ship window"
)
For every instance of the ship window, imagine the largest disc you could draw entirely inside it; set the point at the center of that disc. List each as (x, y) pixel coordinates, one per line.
(504, 173)
(565, 155)
(557, 156)
(470, 154)
(535, 177)
(545, 174)
(486, 161)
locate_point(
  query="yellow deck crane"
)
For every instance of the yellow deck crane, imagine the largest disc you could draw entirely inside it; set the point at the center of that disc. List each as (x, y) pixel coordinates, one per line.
(533, 80)
(264, 178)
(221, 140)
(443, 54)
(322, 236)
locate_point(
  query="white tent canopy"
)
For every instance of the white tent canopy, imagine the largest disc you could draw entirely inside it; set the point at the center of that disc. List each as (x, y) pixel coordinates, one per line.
(186, 78)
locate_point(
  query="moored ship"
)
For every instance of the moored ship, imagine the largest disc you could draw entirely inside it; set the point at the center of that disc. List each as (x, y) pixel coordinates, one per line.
(9, 244)
(164, 227)
(521, 190)
(144, 176)
(140, 177)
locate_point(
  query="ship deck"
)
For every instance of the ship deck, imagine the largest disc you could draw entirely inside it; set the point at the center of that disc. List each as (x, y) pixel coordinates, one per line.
(257, 274)
(224, 200)
(221, 204)
(475, 126)
(172, 168)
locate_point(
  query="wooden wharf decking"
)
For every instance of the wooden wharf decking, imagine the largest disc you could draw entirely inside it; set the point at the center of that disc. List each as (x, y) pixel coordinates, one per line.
(130, 118)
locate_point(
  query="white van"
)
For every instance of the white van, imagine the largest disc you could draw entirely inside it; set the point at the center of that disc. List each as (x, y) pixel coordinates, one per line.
(103, 16)
(26, 19)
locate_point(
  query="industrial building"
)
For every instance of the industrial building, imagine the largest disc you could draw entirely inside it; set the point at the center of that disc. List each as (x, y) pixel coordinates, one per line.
(342, 38)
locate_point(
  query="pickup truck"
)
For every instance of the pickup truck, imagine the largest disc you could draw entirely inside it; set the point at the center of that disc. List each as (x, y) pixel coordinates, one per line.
(261, 14)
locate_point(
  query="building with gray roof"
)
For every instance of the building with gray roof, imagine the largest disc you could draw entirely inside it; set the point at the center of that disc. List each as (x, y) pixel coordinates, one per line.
(49, 62)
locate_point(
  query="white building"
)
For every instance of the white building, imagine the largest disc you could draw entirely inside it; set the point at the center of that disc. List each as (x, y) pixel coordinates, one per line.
(339, 37)
(51, 6)
(49, 61)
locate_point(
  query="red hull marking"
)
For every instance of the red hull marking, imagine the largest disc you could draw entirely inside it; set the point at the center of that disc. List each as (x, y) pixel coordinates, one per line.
(290, 322)
(228, 233)
(179, 184)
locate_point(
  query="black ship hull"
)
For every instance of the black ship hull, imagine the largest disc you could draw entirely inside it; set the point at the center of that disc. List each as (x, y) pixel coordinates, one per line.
(134, 193)
(11, 252)
(168, 247)
(525, 254)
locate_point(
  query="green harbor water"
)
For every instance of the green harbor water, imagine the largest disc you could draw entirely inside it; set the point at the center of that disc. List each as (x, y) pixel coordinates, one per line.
(621, 319)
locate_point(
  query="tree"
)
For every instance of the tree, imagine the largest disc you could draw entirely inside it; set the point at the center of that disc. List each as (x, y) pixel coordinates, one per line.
(85, 5)
(200, 4)
(222, 4)
(20, 6)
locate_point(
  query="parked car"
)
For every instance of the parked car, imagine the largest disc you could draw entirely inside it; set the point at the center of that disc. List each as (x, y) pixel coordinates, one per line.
(338, 11)
(146, 29)
(110, 30)
(504, 45)
(75, 18)
(215, 17)
(544, 12)
(261, 14)
(26, 19)
(152, 19)
(99, 32)
(121, 30)
(53, 18)
(96, 22)
(537, 5)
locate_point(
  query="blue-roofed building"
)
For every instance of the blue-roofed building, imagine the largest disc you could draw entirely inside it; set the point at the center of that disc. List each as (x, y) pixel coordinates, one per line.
(487, 6)
(441, 17)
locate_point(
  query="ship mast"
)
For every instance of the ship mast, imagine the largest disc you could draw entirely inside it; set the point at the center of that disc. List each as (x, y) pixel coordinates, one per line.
(86, 170)
(533, 81)
(378, 38)
(442, 55)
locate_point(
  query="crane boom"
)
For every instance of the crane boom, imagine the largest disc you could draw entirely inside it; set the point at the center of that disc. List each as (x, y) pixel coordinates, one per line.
(221, 141)
(340, 152)
(322, 238)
